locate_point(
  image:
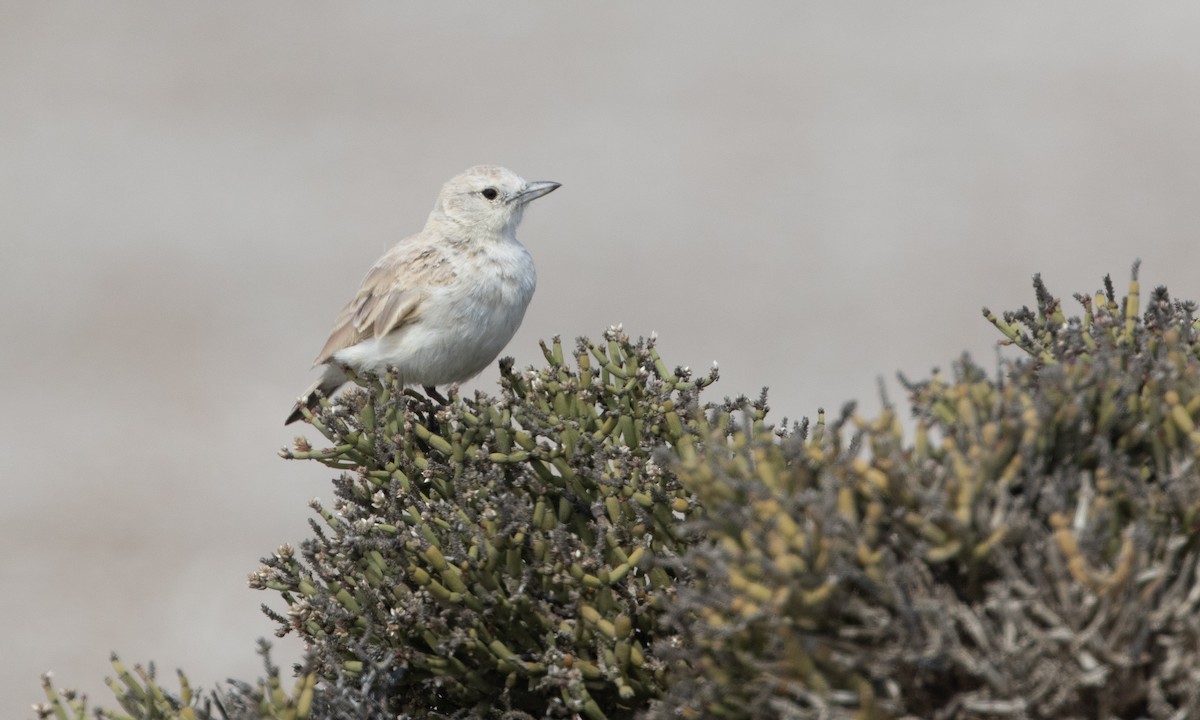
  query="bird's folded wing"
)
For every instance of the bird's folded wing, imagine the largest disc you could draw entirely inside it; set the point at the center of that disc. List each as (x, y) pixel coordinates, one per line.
(390, 298)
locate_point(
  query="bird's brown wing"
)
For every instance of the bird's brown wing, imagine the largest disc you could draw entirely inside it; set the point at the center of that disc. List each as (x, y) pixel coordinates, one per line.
(390, 296)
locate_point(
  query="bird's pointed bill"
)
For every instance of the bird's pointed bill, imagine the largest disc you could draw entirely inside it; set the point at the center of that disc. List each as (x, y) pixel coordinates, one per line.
(535, 190)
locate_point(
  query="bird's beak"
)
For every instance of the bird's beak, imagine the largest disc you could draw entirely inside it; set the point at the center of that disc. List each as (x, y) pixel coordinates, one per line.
(535, 190)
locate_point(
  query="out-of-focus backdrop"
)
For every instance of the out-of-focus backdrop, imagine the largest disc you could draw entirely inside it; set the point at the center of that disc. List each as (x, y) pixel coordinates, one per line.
(814, 195)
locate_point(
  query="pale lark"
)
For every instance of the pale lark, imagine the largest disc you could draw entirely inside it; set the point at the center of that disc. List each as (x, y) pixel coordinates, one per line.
(440, 305)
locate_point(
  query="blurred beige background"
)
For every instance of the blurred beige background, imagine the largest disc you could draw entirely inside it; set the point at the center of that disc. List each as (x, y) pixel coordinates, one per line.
(814, 195)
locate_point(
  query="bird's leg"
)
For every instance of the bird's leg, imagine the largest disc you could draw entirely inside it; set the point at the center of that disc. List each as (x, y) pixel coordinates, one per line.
(433, 393)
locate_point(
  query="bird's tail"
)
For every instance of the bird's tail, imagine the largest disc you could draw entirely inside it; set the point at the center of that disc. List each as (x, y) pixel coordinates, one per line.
(333, 379)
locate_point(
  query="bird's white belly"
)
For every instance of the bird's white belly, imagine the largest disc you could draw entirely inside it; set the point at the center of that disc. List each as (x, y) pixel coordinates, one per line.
(460, 330)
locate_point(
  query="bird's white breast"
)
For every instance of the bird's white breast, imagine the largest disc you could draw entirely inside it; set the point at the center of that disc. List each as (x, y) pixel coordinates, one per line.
(462, 326)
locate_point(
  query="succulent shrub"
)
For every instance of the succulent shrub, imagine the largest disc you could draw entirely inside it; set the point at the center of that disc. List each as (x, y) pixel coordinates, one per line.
(1031, 553)
(597, 542)
(495, 555)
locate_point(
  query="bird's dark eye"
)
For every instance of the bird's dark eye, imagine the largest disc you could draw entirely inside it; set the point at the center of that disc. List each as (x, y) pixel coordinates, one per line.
(489, 193)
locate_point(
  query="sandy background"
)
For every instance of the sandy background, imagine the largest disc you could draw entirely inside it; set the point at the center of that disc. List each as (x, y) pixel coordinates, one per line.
(814, 195)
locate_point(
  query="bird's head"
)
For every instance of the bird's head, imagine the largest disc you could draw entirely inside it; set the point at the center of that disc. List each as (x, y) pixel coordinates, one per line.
(487, 199)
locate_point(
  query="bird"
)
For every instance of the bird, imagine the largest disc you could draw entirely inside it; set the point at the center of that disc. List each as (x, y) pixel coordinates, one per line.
(440, 305)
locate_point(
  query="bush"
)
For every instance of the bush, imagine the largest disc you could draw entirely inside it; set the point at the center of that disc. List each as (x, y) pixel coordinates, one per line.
(1032, 553)
(495, 556)
(598, 543)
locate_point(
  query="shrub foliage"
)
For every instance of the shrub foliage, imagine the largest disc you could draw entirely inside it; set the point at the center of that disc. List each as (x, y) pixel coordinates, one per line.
(597, 542)
(497, 556)
(1032, 553)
